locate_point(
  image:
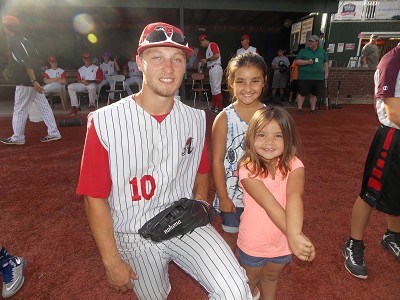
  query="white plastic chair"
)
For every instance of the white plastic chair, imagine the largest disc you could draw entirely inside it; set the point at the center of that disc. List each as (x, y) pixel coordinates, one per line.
(118, 80)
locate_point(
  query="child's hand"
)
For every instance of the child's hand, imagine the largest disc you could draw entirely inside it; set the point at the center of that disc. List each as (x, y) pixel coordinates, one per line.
(226, 205)
(302, 247)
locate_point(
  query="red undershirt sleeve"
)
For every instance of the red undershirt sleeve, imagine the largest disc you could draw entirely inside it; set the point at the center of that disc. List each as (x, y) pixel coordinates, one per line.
(94, 178)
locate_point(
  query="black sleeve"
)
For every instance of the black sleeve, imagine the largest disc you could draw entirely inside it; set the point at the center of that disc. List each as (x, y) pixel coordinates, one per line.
(24, 53)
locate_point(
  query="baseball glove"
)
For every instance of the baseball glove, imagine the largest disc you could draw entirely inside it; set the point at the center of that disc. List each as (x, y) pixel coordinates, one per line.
(181, 217)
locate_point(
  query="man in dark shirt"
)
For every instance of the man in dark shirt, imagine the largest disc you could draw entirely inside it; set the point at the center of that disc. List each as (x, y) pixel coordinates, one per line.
(26, 69)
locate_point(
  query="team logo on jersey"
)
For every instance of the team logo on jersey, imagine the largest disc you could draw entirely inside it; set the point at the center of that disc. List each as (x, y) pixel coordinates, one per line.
(188, 147)
(168, 30)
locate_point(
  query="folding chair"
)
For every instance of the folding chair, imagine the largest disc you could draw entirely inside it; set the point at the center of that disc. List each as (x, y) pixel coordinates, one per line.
(118, 80)
(62, 95)
(198, 88)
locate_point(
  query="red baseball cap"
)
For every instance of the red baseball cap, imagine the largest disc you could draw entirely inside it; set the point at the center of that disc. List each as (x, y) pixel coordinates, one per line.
(245, 37)
(86, 55)
(163, 35)
(11, 20)
(52, 59)
(202, 37)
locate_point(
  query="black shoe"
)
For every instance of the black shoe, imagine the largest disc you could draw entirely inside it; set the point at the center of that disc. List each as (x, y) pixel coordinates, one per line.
(300, 111)
(315, 111)
(353, 253)
(391, 243)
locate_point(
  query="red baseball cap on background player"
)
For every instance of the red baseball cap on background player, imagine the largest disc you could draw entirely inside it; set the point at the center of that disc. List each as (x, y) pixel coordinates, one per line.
(245, 37)
(86, 56)
(163, 35)
(202, 37)
(52, 59)
(11, 23)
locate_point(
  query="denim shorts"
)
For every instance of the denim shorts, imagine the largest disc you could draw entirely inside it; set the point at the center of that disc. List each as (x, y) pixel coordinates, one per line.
(230, 221)
(256, 262)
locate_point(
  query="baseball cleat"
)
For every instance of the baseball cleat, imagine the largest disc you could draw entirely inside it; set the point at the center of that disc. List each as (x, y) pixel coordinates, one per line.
(10, 141)
(13, 276)
(353, 252)
(391, 243)
(74, 111)
(49, 138)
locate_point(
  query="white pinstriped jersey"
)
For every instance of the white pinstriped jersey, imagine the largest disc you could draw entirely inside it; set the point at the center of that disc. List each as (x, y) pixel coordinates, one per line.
(88, 73)
(151, 164)
(210, 53)
(54, 73)
(133, 69)
(250, 49)
(108, 68)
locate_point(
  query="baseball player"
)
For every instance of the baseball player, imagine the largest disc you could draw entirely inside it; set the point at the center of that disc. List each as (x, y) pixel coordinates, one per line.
(54, 78)
(141, 154)
(213, 63)
(133, 74)
(89, 75)
(245, 41)
(26, 69)
(109, 68)
(380, 186)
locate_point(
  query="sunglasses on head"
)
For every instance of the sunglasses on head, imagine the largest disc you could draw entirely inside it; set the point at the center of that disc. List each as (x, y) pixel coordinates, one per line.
(159, 36)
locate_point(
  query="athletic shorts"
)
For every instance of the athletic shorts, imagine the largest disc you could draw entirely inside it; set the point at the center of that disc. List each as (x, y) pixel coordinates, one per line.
(279, 81)
(381, 180)
(256, 262)
(230, 221)
(314, 87)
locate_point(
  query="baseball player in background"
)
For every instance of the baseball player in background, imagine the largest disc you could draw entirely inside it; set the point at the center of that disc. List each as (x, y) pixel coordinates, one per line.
(88, 77)
(109, 68)
(54, 78)
(245, 41)
(141, 154)
(380, 186)
(133, 74)
(213, 63)
(26, 69)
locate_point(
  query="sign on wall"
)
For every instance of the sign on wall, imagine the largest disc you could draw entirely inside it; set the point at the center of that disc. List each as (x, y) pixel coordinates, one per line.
(295, 37)
(306, 30)
(349, 10)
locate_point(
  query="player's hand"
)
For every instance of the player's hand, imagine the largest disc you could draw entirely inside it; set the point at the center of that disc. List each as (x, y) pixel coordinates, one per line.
(302, 247)
(203, 61)
(119, 276)
(38, 87)
(226, 205)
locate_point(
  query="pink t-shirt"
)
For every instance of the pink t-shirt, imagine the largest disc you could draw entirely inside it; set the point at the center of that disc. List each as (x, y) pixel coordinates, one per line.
(258, 235)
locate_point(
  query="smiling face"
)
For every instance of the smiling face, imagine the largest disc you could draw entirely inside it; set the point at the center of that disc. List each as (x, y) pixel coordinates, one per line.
(269, 142)
(163, 69)
(248, 84)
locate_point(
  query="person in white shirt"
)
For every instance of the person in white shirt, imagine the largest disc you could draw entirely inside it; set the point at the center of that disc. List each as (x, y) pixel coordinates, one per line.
(54, 78)
(109, 68)
(245, 41)
(89, 76)
(133, 74)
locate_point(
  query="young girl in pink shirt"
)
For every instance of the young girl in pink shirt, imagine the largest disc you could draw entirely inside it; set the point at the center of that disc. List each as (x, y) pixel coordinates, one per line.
(272, 178)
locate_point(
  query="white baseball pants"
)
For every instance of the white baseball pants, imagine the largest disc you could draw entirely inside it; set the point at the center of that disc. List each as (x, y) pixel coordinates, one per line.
(215, 74)
(107, 81)
(24, 96)
(74, 88)
(52, 88)
(203, 254)
(133, 80)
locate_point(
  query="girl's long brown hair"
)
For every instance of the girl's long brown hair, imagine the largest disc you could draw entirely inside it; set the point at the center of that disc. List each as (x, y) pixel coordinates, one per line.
(255, 163)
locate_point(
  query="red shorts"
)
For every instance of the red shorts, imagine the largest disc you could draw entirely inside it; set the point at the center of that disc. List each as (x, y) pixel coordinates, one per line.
(381, 181)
